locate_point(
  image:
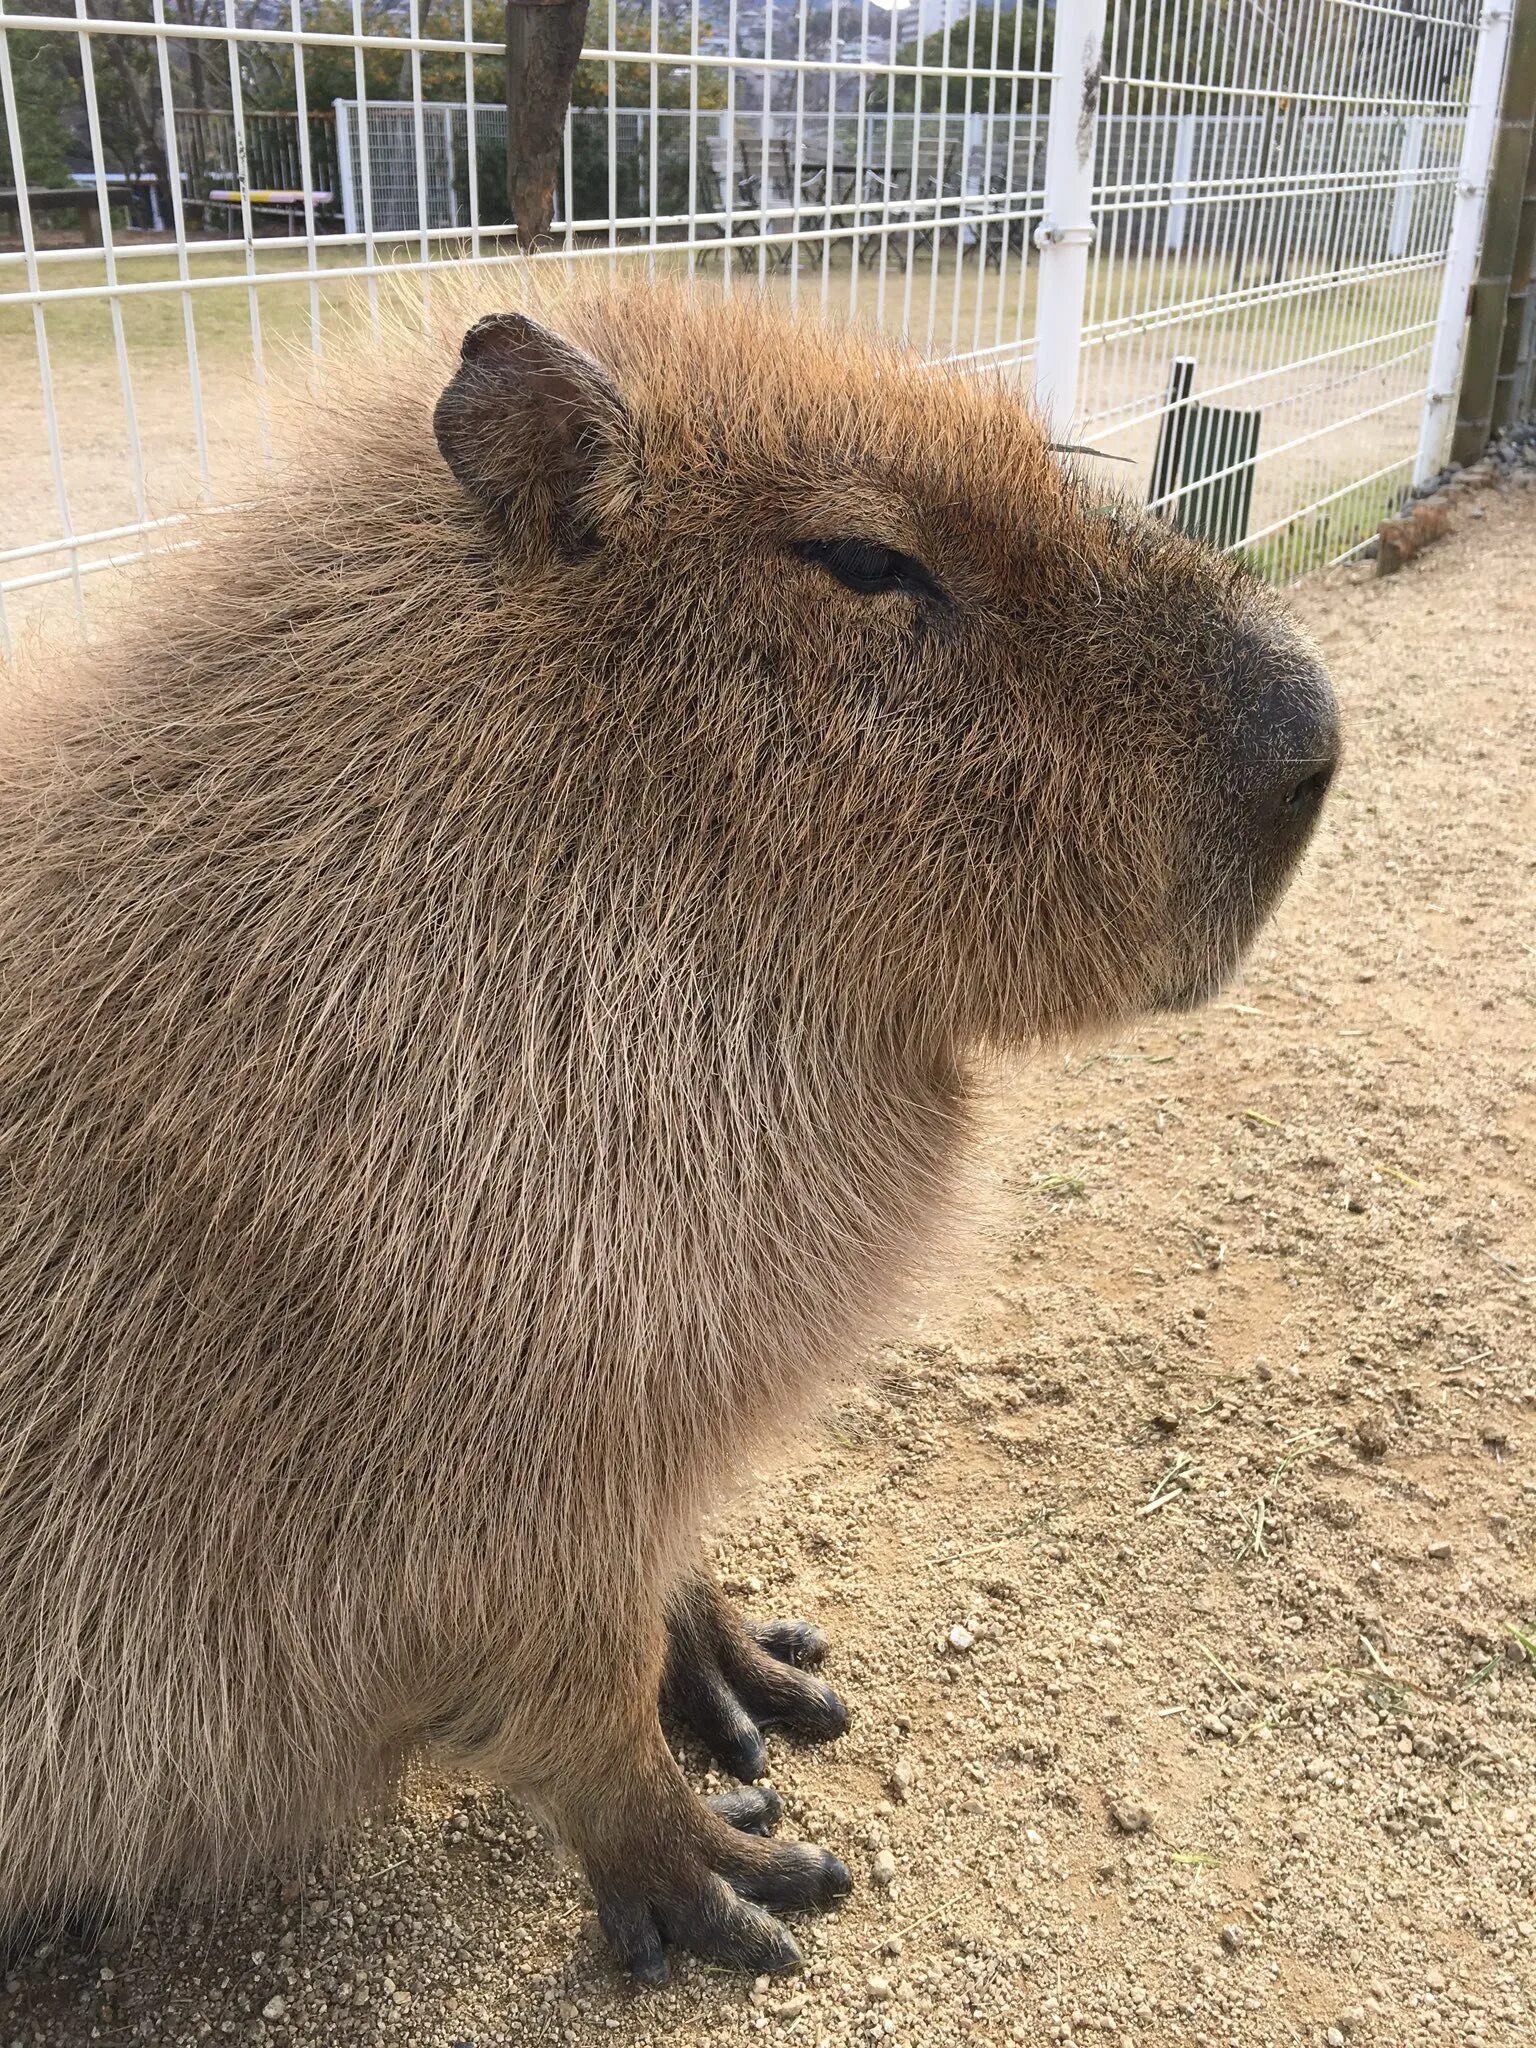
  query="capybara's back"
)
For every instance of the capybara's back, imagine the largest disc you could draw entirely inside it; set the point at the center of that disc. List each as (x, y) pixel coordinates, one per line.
(487, 967)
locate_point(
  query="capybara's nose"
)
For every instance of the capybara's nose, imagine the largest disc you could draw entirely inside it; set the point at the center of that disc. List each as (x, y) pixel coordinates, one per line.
(1305, 800)
(1291, 746)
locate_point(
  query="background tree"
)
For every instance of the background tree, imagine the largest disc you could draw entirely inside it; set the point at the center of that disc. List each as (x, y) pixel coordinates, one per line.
(920, 68)
(629, 24)
(43, 96)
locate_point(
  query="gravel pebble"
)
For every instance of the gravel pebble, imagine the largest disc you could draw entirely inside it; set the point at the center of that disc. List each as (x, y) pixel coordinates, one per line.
(1130, 1816)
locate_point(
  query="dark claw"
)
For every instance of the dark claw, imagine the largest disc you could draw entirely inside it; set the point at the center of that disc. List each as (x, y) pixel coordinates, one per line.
(631, 1928)
(792, 1642)
(723, 1928)
(742, 1752)
(722, 1724)
(812, 1711)
(753, 1811)
(789, 1875)
(729, 1680)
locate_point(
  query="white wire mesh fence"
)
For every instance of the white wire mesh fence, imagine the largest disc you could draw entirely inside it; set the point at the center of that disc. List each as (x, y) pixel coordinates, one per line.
(1225, 255)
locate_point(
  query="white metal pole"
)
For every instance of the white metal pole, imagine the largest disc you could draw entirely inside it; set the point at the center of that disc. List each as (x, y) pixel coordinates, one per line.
(973, 182)
(1183, 171)
(1466, 241)
(1066, 233)
(343, 115)
(1407, 188)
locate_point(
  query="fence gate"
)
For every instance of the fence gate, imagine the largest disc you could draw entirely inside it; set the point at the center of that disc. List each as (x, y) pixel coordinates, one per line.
(1285, 199)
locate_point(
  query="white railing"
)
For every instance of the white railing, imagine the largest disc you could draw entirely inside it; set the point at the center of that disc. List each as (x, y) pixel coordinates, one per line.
(1265, 209)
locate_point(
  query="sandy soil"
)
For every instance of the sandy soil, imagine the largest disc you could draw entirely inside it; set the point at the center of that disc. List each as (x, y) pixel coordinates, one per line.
(1218, 1444)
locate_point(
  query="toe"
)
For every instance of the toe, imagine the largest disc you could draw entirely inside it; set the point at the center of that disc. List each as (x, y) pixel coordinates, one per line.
(723, 1928)
(739, 1749)
(709, 1707)
(631, 1929)
(814, 1711)
(792, 1642)
(776, 1695)
(754, 1811)
(787, 1874)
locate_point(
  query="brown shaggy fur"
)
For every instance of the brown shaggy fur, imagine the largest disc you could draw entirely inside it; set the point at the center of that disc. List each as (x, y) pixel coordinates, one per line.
(488, 964)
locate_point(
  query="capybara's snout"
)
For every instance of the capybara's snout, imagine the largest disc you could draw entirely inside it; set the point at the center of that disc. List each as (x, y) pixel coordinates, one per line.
(1273, 749)
(1285, 742)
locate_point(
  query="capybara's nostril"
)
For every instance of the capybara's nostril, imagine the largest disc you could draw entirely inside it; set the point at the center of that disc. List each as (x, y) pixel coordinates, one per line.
(1289, 741)
(1289, 791)
(1306, 798)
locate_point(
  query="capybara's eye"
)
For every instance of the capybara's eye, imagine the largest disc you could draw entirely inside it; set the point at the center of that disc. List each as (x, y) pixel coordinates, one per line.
(870, 569)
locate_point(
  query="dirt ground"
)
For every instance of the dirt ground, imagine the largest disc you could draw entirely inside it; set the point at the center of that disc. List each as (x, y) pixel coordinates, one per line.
(1216, 1443)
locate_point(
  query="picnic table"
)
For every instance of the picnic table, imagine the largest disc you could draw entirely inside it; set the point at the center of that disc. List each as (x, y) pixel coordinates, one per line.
(789, 198)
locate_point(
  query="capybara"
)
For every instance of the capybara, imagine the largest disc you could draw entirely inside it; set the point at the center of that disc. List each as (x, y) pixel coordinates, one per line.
(492, 949)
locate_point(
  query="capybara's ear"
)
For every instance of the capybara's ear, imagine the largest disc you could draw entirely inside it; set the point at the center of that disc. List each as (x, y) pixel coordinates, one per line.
(528, 425)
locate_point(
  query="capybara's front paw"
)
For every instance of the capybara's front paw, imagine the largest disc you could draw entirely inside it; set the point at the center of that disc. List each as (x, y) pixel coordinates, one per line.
(707, 1895)
(729, 1681)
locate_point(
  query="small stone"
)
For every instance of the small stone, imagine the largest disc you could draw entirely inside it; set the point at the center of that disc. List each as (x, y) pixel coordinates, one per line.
(1434, 1979)
(1440, 1549)
(1370, 1438)
(1334, 2038)
(900, 1780)
(791, 2008)
(1130, 1816)
(879, 1989)
(893, 1945)
(882, 1871)
(1232, 1937)
(274, 2008)
(960, 1638)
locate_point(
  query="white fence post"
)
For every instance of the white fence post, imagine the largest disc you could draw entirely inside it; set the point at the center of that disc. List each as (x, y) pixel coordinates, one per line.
(1178, 190)
(973, 179)
(344, 164)
(1466, 240)
(1407, 187)
(1066, 232)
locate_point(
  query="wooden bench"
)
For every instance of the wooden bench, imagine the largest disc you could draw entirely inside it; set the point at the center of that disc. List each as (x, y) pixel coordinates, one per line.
(80, 200)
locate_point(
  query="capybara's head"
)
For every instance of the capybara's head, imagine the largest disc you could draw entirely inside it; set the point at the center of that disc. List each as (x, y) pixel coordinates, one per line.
(1034, 759)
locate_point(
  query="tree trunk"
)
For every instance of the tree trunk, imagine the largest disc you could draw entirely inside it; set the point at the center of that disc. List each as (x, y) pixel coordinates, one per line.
(544, 39)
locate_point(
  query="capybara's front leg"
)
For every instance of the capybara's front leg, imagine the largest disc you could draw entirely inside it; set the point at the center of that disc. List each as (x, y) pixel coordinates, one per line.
(670, 1871)
(729, 1680)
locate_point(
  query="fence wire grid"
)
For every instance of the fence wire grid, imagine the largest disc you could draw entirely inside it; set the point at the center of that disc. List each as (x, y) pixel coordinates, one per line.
(1257, 209)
